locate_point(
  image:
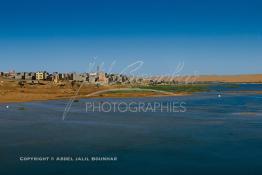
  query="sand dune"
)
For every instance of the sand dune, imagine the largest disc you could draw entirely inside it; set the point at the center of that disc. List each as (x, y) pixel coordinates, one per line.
(256, 78)
(252, 78)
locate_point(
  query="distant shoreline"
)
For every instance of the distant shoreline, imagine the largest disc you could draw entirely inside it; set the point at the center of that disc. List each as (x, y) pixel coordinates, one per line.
(10, 91)
(242, 78)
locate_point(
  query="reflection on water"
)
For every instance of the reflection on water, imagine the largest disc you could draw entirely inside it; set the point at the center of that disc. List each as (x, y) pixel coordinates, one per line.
(215, 135)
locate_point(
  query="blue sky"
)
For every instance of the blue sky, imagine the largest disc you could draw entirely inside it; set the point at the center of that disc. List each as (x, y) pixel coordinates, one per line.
(210, 37)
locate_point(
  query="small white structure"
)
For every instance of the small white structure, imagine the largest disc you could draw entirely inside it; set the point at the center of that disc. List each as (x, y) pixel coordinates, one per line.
(41, 75)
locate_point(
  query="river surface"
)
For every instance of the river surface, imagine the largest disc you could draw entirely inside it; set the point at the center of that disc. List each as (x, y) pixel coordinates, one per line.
(216, 133)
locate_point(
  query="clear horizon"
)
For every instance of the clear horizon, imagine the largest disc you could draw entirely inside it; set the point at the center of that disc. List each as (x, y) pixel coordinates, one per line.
(218, 37)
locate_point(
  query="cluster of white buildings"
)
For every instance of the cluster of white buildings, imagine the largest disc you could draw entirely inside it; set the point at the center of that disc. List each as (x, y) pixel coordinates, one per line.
(98, 77)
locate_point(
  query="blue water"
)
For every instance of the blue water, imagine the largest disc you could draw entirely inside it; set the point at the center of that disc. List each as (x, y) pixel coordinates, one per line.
(235, 87)
(214, 136)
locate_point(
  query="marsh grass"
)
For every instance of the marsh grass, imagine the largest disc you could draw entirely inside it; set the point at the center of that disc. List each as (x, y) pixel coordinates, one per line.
(189, 88)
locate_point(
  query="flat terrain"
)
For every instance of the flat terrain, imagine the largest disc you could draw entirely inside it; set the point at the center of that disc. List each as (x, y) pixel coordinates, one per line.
(12, 91)
(252, 78)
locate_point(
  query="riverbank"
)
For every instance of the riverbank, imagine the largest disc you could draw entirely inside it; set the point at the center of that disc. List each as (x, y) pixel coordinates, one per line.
(12, 91)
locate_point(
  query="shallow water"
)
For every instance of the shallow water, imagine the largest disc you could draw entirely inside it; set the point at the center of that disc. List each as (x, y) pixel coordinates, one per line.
(214, 135)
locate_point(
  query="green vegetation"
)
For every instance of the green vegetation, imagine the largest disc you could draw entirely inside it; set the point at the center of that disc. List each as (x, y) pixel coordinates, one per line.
(178, 88)
(182, 88)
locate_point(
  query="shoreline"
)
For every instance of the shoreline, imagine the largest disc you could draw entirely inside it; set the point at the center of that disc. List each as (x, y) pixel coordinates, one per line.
(91, 97)
(104, 96)
(11, 92)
